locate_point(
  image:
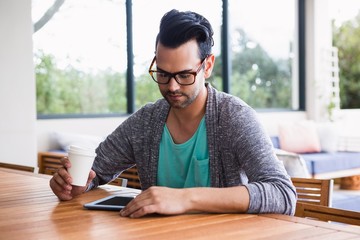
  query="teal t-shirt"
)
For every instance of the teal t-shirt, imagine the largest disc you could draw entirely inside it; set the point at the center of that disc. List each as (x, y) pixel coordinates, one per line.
(184, 165)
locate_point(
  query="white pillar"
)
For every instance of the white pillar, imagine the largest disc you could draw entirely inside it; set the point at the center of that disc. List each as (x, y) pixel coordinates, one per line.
(17, 84)
(318, 40)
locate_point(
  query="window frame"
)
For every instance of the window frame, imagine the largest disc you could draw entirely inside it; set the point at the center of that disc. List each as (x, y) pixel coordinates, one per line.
(226, 67)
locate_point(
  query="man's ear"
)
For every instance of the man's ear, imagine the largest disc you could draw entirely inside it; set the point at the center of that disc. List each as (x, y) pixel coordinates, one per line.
(209, 65)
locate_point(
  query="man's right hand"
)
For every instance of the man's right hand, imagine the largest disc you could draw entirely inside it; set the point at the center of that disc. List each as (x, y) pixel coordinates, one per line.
(61, 181)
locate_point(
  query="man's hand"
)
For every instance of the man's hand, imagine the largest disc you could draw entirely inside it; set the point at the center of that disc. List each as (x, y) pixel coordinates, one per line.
(160, 200)
(169, 201)
(61, 181)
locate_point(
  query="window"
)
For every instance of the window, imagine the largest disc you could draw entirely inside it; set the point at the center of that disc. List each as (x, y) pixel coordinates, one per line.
(81, 54)
(345, 16)
(80, 58)
(262, 36)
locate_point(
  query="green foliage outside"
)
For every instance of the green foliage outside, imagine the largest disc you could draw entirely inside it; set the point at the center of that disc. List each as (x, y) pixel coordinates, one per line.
(146, 90)
(347, 39)
(260, 81)
(256, 78)
(72, 91)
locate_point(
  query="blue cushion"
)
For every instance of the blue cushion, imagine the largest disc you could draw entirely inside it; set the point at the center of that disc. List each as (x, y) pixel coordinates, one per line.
(275, 141)
(330, 162)
(323, 162)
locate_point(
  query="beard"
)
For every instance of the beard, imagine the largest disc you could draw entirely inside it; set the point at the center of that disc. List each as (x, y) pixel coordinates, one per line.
(180, 99)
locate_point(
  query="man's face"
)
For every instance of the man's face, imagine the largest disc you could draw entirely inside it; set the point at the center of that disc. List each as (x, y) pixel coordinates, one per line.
(183, 58)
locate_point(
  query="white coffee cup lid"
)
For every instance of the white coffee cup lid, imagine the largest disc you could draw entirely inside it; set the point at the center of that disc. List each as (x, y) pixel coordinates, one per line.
(81, 150)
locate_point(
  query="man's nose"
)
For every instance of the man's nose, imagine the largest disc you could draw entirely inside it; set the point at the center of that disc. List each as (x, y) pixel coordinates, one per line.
(173, 84)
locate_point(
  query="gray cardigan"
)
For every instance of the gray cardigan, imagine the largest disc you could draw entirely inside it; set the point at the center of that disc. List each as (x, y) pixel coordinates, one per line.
(240, 152)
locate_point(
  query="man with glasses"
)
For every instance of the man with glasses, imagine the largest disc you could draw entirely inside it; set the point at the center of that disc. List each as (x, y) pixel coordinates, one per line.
(197, 149)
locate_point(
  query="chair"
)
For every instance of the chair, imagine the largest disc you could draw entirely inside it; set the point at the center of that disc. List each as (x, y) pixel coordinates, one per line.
(314, 191)
(328, 214)
(122, 182)
(17, 167)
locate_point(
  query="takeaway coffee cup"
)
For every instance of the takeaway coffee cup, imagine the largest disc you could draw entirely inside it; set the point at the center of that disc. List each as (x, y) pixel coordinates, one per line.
(81, 159)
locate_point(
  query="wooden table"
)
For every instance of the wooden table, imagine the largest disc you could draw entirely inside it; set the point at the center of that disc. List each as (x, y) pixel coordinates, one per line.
(29, 210)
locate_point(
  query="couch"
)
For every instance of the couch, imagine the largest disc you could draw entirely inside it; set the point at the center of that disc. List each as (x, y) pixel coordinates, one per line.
(325, 164)
(327, 152)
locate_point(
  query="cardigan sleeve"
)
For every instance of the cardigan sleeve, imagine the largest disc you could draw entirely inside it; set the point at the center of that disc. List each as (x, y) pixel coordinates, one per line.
(249, 148)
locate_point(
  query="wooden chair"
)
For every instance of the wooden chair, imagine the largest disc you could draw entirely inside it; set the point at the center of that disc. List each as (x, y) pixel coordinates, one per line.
(122, 182)
(327, 214)
(17, 167)
(314, 191)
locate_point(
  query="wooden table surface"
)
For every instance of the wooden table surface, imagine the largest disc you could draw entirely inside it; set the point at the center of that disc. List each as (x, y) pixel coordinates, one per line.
(29, 210)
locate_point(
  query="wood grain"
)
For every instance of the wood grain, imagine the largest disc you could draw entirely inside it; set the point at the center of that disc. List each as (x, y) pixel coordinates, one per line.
(29, 210)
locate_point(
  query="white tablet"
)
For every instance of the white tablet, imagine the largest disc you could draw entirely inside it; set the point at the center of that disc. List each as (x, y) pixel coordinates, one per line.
(112, 203)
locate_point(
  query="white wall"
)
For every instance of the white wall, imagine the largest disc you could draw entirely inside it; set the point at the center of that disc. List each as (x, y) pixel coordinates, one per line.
(100, 127)
(17, 89)
(272, 120)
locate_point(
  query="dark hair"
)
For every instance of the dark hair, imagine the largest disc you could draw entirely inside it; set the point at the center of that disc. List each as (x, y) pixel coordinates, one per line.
(177, 28)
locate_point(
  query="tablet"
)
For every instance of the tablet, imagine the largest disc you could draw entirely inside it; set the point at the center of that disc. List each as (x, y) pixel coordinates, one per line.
(112, 203)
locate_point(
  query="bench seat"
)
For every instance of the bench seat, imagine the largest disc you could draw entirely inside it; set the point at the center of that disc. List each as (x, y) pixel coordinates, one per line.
(322, 163)
(329, 164)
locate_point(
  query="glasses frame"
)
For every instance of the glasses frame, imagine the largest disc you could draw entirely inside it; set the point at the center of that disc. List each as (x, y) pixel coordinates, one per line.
(173, 75)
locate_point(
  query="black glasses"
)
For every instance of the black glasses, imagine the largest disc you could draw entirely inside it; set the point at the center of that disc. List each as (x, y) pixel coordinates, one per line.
(182, 77)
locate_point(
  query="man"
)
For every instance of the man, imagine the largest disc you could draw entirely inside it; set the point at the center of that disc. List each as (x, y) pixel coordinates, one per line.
(196, 150)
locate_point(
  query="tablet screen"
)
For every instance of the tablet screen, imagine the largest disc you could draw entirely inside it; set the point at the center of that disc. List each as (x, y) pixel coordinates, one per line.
(113, 203)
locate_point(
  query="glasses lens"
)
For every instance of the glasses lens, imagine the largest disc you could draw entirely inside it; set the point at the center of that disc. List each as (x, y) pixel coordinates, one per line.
(161, 77)
(185, 78)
